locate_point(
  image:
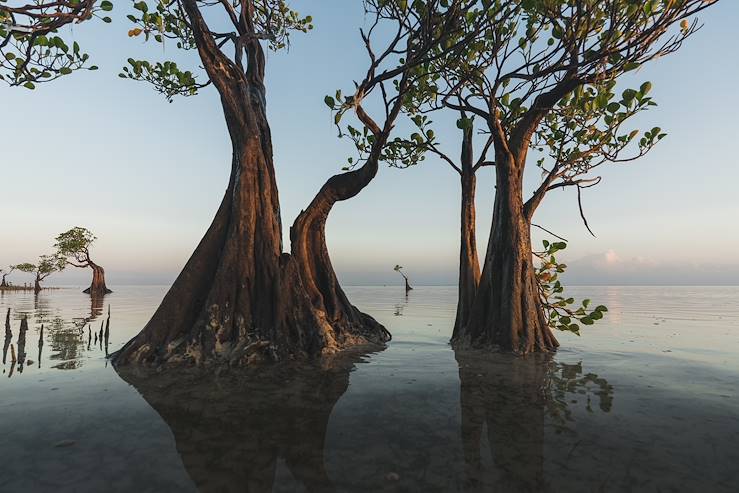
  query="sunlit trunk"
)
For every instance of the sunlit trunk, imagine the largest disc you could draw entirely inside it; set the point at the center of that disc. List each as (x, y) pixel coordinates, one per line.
(469, 265)
(97, 287)
(507, 311)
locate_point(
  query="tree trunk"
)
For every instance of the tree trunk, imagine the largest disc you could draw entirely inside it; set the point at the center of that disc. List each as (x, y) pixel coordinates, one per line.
(37, 286)
(239, 299)
(98, 287)
(507, 311)
(469, 265)
(308, 242)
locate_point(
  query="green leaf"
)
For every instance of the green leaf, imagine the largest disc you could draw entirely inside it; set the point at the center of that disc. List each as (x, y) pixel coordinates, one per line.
(464, 123)
(613, 107)
(330, 102)
(29, 85)
(629, 94)
(106, 5)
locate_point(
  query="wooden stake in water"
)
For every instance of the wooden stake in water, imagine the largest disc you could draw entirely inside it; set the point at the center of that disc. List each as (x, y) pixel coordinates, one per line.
(40, 344)
(8, 332)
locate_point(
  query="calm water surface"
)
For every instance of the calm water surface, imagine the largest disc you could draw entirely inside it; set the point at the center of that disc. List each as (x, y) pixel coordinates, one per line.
(645, 400)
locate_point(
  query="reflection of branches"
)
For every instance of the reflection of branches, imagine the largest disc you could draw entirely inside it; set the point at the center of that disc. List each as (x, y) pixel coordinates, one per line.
(567, 382)
(515, 398)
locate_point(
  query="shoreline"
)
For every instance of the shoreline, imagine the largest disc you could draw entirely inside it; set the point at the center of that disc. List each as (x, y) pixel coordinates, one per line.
(25, 288)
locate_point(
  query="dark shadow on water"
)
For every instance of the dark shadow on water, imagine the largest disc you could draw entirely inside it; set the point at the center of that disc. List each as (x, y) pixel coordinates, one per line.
(508, 400)
(232, 429)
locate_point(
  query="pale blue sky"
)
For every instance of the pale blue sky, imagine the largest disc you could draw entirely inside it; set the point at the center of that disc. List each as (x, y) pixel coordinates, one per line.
(146, 176)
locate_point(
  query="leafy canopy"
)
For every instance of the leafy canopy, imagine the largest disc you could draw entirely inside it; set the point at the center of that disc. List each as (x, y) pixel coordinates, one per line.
(429, 35)
(47, 265)
(32, 50)
(26, 267)
(75, 243)
(241, 23)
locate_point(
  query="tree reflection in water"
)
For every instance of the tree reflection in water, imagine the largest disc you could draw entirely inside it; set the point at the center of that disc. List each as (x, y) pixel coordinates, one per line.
(68, 339)
(232, 429)
(512, 398)
(66, 336)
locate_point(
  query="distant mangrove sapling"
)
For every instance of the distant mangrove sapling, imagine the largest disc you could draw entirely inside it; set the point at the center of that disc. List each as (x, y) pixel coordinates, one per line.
(46, 266)
(75, 244)
(399, 270)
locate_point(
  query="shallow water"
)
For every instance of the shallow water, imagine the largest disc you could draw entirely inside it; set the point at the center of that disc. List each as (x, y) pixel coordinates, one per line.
(645, 400)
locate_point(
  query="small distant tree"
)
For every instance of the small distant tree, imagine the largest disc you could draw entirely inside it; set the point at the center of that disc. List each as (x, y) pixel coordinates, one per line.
(5, 274)
(399, 270)
(75, 245)
(47, 265)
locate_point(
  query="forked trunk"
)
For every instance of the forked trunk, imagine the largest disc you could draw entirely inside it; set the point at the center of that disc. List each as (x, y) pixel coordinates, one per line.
(98, 287)
(507, 311)
(469, 265)
(239, 299)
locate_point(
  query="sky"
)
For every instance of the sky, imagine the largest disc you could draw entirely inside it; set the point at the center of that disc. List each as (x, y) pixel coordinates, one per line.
(146, 176)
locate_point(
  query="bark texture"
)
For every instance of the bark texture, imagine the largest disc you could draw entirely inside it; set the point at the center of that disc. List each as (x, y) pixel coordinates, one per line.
(469, 265)
(507, 311)
(239, 299)
(97, 287)
(37, 285)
